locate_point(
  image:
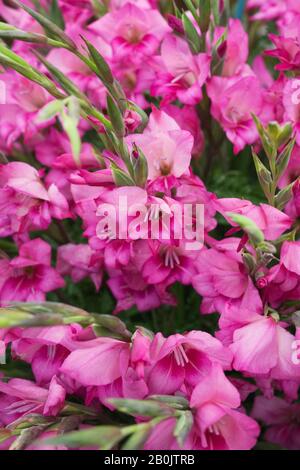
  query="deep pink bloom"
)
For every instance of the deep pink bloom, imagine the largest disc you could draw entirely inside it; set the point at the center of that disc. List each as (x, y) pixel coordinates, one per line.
(283, 278)
(287, 52)
(183, 360)
(131, 31)
(223, 281)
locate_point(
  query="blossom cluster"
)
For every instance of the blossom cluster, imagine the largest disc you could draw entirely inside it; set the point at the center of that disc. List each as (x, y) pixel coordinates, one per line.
(141, 100)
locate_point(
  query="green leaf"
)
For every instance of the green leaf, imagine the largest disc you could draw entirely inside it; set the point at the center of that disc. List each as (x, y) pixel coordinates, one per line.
(103, 68)
(50, 110)
(140, 167)
(138, 438)
(183, 426)
(120, 177)
(284, 196)
(67, 85)
(268, 145)
(250, 227)
(116, 117)
(56, 15)
(149, 408)
(204, 17)
(104, 437)
(177, 402)
(263, 174)
(113, 325)
(70, 127)
(191, 34)
(283, 158)
(51, 28)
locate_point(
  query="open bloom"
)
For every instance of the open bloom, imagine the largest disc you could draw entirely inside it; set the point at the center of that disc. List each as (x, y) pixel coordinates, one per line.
(29, 276)
(167, 148)
(184, 73)
(132, 32)
(264, 346)
(223, 281)
(183, 360)
(233, 101)
(219, 425)
(19, 397)
(25, 202)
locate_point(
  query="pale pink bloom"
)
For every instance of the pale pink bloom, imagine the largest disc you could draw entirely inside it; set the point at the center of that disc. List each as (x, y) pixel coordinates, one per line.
(184, 74)
(131, 31)
(100, 362)
(219, 425)
(223, 281)
(272, 222)
(166, 147)
(233, 101)
(268, 9)
(29, 276)
(264, 346)
(80, 261)
(183, 360)
(282, 421)
(188, 120)
(24, 200)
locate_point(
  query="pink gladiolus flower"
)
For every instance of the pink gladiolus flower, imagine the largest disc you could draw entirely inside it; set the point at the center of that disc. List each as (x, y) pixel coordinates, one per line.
(283, 278)
(183, 360)
(188, 120)
(272, 222)
(185, 73)
(236, 48)
(86, 365)
(29, 276)
(166, 147)
(282, 420)
(24, 200)
(264, 346)
(287, 52)
(79, 261)
(233, 101)
(219, 425)
(20, 397)
(131, 31)
(223, 281)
